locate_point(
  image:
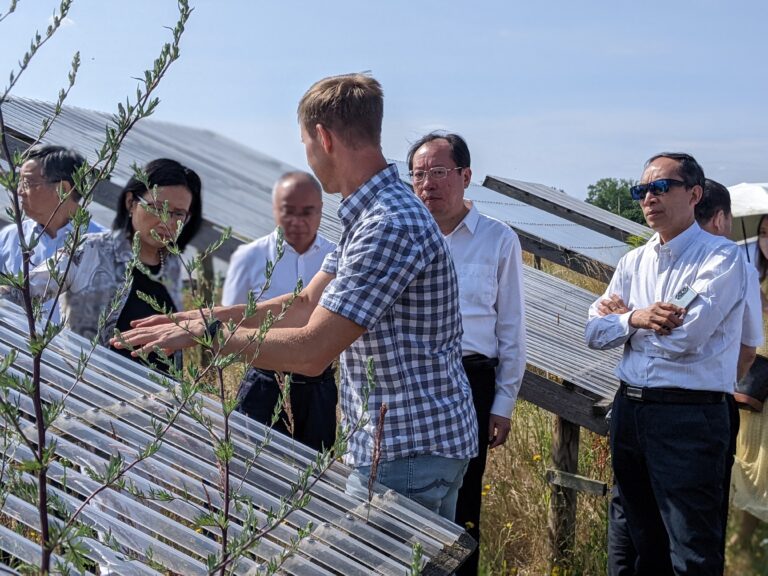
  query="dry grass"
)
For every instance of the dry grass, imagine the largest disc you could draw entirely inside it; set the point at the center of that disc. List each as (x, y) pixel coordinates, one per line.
(516, 501)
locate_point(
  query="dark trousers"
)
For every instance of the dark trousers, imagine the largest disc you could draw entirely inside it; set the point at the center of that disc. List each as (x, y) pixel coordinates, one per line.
(312, 399)
(481, 373)
(621, 551)
(670, 462)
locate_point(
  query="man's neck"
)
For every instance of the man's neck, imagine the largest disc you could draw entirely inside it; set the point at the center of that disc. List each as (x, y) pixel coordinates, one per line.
(359, 168)
(302, 248)
(58, 219)
(668, 236)
(449, 224)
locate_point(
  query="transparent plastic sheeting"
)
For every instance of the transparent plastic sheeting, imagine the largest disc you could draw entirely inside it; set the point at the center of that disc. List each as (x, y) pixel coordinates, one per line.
(113, 410)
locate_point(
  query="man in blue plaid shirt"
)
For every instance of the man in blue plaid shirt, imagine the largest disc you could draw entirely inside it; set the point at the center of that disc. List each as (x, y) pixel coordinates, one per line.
(388, 292)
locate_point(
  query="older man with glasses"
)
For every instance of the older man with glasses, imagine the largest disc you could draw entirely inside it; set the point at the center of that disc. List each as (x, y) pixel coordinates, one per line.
(488, 260)
(297, 206)
(676, 305)
(49, 200)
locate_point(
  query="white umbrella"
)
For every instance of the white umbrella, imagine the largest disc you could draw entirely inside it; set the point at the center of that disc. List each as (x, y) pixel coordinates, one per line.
(749, 199)
(748, 203)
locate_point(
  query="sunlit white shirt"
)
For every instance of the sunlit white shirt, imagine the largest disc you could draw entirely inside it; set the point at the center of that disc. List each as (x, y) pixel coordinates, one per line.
(47, 246)
(701, 354)
(248, 265)
(488, 261)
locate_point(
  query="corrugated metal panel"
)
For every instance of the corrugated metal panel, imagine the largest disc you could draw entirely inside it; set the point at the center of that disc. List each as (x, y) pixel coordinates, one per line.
(237, 181)
(112, 411)
(568, 207)
(556, 313)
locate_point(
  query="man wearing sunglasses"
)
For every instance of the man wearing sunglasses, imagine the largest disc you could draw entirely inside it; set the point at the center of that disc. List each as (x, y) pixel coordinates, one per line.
(670, 425)
(48, 197)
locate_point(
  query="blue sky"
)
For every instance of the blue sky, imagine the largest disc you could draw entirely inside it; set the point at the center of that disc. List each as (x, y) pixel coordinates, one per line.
(557, 92)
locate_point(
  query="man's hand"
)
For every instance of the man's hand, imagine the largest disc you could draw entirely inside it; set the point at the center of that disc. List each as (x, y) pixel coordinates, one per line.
(612, 305)
(166, 336)
(159, 319)
(498, 430)
(661, 317)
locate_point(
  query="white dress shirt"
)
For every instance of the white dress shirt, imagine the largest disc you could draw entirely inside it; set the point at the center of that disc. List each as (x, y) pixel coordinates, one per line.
(702, 353)
(47, 246)
(488, 261)
(248, 265)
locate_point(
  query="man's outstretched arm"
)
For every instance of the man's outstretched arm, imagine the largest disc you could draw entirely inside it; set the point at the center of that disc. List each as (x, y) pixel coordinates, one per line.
(162, 332)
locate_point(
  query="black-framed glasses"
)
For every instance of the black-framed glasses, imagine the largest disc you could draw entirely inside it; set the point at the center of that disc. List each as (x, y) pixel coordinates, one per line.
(158, 209)
(657, 188)
(436, 173)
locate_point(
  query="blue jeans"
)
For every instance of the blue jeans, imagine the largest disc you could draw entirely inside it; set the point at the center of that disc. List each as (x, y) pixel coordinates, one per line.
(432, 481)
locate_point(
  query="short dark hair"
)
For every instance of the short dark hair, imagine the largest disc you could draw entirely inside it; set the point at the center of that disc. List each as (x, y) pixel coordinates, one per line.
(688, 169)
(352, 105)
(57, 163)
(715, 197)
(163, 172)
(459, 148)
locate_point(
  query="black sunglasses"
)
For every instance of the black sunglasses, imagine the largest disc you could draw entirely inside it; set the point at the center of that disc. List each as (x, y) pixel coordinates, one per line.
(657, 187)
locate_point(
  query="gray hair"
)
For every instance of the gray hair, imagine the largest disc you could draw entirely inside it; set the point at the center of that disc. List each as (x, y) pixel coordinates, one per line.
(296, 175)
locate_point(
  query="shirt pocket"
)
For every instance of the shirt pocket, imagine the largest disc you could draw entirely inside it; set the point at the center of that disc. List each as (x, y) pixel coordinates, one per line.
(477, 284)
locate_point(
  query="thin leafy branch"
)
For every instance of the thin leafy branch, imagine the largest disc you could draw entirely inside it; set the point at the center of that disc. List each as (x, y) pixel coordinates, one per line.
(85, 181)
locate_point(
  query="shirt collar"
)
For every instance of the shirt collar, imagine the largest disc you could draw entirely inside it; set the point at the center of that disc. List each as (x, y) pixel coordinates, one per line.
(470, 219)
(679, 243)
(353, 205)
(123, 245)
(312, 248)
(39, 230)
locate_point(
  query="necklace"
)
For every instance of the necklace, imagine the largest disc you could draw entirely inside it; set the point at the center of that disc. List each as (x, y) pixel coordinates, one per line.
(157, 277)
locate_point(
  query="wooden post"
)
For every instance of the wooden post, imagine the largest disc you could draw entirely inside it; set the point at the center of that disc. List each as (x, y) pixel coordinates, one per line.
(562, 509)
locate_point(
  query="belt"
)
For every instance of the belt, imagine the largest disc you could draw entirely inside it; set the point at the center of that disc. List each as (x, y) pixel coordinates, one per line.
(301, 378)
(478, 362)
(670, 395)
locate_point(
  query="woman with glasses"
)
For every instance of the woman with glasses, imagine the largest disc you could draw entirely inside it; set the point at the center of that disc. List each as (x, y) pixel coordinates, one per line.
(162, 207)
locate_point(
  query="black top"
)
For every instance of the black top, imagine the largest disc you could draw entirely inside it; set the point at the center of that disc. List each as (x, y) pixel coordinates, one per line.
(136, 308)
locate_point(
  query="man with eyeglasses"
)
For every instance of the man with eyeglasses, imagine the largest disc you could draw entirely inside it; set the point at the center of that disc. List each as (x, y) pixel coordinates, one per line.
(297, 205)
(386, 300)
(488, 260)
(49, 201)
(671, 426)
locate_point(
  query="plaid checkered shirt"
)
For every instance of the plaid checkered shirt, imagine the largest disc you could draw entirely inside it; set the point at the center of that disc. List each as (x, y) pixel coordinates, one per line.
(395, 277)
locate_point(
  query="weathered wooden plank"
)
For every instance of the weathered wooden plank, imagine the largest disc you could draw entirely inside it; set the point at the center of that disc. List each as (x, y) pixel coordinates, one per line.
(576, 482)
(572, 404)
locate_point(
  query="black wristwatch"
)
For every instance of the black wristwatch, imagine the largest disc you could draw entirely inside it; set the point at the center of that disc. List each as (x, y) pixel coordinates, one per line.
(213, 328)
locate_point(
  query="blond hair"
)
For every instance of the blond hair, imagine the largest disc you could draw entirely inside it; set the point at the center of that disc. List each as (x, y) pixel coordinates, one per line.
(351, 105)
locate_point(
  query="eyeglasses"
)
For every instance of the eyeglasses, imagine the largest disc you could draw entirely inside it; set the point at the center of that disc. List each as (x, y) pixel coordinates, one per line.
(159, 208)
(26, 185)
(657, 188)
(437, 173)
(302, 214)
